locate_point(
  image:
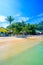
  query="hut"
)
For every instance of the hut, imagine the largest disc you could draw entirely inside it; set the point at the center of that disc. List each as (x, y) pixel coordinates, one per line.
(38, 32)
(3, 31)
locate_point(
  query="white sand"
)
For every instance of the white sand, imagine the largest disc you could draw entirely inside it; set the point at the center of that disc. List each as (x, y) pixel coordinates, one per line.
(10, 46)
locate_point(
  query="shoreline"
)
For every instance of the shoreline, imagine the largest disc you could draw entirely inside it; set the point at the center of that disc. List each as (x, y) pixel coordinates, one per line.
(10, 46)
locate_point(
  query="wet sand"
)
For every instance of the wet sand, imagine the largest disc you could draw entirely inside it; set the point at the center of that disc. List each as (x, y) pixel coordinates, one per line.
(11, 46)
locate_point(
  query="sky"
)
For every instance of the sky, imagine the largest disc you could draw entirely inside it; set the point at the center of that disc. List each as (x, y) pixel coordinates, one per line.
(31, 11)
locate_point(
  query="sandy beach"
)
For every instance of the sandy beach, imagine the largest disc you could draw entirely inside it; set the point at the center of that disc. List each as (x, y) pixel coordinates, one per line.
(11, 46)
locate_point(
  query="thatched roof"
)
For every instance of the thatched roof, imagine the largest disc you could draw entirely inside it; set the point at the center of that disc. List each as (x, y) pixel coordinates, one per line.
(3, 30)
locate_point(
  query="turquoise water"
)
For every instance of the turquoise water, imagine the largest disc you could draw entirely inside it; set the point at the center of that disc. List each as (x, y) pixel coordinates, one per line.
(33, 56)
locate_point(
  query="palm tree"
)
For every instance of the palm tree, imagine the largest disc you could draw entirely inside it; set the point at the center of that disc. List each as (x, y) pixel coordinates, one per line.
(10, 19)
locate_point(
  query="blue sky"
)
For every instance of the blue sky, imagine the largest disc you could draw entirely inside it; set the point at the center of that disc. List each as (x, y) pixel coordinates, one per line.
(28, 10)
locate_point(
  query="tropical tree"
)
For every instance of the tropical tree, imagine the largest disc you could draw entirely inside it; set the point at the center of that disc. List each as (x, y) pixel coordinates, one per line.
(40, 26)
(10, 19)
(32, 29)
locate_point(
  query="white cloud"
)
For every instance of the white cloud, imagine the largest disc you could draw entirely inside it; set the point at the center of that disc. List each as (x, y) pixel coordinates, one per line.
(41, 19)
(5, 25)
(41, 14)
(2, 18)
(23, 18)
(17, 15)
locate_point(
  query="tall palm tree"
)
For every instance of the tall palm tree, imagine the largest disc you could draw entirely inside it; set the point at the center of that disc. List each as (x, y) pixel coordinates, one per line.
(10, 19)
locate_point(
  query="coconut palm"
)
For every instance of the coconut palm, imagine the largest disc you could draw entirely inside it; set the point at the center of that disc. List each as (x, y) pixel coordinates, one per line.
(10, 19)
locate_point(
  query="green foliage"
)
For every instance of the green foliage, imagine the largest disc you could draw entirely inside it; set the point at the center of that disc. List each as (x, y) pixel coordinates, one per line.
(40, 26)
(10, 19)
(0, 35)
(19, 27)
(22, 26)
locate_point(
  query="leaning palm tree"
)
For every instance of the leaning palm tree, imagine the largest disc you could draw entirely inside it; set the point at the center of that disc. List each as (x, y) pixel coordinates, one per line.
(10, 19)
